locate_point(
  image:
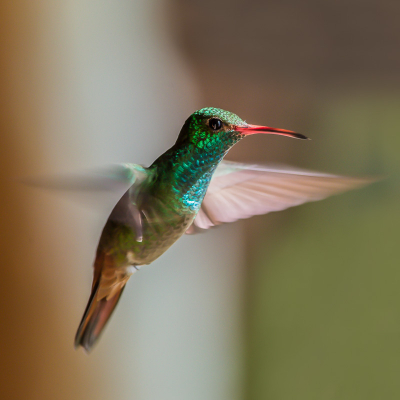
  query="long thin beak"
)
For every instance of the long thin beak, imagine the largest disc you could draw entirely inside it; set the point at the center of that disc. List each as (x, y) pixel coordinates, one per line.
(253, 129)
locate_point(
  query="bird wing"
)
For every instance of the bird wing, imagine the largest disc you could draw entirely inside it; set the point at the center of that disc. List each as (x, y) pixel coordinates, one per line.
(98, 189)
(239, 191)
(111, 178)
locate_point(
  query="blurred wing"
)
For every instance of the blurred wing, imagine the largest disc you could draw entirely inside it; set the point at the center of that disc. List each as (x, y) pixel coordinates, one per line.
(112, 178)
(98, 189)
(240, 191)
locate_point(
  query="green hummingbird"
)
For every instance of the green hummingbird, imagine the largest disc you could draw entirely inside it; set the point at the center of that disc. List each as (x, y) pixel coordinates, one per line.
(187, 189)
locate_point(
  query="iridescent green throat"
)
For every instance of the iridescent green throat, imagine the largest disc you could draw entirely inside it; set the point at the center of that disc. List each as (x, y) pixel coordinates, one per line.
(183, 173)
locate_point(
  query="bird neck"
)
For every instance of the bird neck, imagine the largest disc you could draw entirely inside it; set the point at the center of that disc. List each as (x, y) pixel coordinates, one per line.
(183, 173)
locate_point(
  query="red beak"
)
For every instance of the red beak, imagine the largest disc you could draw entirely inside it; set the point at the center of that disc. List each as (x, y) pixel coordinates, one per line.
(253, 129)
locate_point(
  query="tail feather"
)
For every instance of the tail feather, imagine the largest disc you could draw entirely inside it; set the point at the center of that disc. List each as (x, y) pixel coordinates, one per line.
(95, 318)
(108, 285)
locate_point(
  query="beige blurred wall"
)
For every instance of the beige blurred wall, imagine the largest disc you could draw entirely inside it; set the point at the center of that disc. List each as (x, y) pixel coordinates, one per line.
(85, 84)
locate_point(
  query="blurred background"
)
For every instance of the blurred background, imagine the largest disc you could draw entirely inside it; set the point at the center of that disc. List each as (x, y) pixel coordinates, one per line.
(302, 304)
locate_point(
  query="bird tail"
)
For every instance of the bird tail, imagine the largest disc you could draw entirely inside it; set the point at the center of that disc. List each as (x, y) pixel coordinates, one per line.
(99, 307)
(95, 318)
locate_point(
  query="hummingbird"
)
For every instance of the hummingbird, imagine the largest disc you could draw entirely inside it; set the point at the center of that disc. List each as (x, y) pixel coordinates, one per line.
(187, 189)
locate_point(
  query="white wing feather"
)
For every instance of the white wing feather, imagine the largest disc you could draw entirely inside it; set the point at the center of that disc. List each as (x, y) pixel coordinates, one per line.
(240, 191)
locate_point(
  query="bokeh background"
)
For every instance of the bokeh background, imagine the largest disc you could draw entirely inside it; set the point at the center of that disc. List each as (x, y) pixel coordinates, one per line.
(302, 304)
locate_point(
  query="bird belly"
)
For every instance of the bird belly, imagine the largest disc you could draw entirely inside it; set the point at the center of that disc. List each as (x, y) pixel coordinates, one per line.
(121, 241)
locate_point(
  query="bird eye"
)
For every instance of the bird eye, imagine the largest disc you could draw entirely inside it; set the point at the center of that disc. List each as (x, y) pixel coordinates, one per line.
(215, 124)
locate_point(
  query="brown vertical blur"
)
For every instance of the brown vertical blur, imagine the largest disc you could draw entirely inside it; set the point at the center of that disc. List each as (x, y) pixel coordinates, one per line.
(27, 298)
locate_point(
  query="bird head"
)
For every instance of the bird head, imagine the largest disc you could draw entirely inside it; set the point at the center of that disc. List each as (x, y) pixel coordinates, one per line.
(212, 127)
